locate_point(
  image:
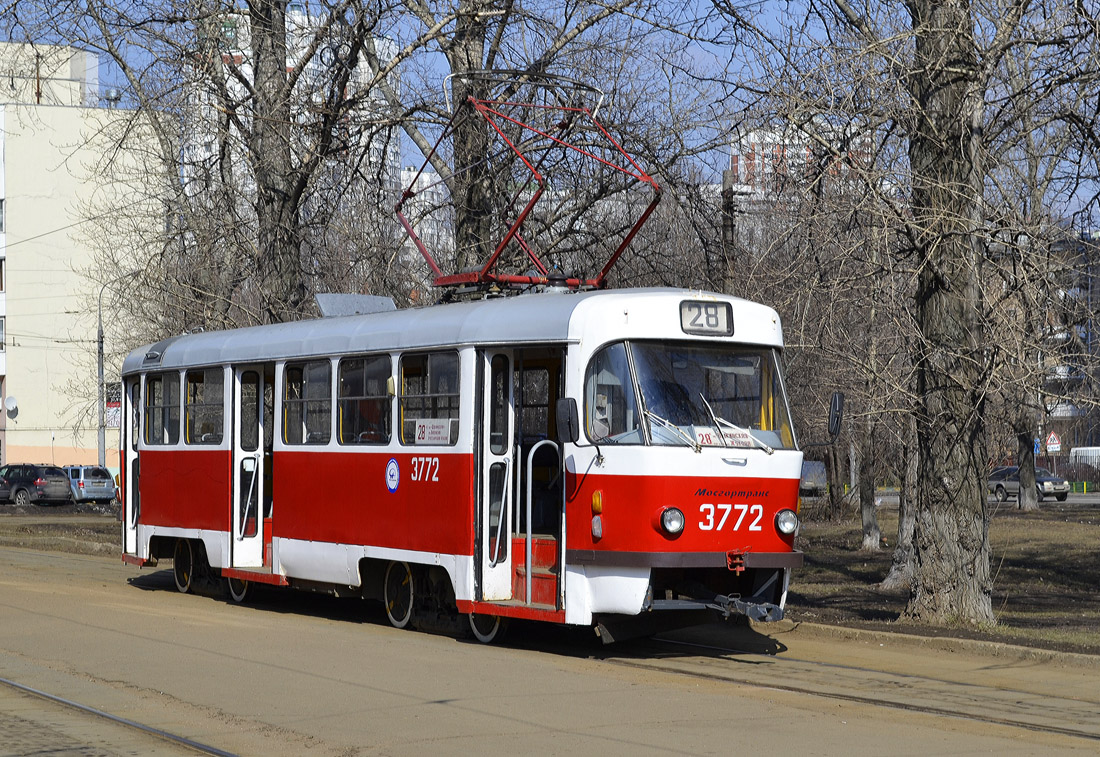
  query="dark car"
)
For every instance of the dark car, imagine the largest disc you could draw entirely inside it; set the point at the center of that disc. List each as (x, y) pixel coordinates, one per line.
(24, 483)
(1004, 482)
(90, 483)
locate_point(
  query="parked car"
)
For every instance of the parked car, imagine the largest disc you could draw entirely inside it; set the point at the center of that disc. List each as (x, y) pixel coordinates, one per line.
(24, 483)
(90, 483)
(1004, 482)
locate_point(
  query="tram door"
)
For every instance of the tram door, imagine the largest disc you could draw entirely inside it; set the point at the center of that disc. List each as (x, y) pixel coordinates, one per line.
(131, 418)
(497, 474)
(247, 546)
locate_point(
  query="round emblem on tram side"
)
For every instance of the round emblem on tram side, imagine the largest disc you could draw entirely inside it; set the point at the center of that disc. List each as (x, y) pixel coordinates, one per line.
(393, 475)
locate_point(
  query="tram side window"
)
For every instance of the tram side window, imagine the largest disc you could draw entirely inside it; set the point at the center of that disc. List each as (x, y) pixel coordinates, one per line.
(162, 408)
(610, 404)
(307, 403)
(363, 400)
(429, 398)
(204, 406)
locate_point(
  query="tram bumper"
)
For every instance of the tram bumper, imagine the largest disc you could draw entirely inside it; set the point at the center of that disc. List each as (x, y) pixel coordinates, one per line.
(687, 589)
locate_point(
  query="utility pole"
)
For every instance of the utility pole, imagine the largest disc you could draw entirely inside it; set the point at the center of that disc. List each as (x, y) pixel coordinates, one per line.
(101, 388)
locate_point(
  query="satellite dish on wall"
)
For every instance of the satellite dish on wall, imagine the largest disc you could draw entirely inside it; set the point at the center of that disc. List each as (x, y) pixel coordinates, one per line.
(12, 406)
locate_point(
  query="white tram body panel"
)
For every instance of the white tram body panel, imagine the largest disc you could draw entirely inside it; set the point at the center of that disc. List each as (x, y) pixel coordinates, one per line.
(322, 451)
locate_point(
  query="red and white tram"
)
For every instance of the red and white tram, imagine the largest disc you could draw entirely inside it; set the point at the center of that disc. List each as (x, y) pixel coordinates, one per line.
(618, 459)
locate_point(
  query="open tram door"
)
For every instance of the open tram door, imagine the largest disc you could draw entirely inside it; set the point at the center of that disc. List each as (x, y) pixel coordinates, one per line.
(131, 414)
(496, 478)
(521, 491)
(251, 392)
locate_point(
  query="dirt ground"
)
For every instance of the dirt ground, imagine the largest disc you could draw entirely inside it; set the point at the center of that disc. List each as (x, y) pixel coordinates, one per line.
(1046, 591)
(1046, 576)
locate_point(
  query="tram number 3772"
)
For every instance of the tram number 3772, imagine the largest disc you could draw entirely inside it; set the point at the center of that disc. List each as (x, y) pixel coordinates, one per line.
(715, 517)
(425, 469)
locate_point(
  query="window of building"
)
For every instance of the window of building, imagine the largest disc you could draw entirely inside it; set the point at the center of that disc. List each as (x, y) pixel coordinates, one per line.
(429, 398)
(162, 408)
(307, 402)
(3, 225)
(204, 406)
(3, 270)
(363, 400)
(3, 339)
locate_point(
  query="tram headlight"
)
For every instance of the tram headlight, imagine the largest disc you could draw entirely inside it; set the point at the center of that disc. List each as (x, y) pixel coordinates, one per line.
(786, 521)
(672, 520)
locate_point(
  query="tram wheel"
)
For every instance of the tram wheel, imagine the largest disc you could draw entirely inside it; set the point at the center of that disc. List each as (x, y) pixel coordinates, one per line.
(239, 589)
(487, 628)
(398, 594)
(183, 565)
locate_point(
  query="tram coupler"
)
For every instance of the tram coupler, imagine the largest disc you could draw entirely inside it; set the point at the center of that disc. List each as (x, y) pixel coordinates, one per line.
(760, 611)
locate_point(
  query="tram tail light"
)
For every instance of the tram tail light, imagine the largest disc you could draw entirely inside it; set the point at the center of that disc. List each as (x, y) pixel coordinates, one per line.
(597, 502)
(597, 528)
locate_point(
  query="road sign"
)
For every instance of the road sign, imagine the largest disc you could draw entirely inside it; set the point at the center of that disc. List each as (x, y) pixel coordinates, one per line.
(1036, 447)
(1054, 444)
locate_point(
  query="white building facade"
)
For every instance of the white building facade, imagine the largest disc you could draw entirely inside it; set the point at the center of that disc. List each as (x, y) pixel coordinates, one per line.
(49, 105)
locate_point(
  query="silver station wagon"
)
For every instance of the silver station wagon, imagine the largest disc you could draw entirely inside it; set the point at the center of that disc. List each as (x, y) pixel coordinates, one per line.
(90, 483)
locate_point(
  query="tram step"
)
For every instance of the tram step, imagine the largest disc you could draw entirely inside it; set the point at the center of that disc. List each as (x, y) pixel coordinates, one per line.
(544, 551)
(544, 585)
(261, 575)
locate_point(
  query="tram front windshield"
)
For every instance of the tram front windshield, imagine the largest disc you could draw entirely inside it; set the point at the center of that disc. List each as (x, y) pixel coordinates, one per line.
(689, 394)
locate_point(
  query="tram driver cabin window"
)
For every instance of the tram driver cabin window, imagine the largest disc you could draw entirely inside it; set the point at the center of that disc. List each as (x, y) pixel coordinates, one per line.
(204, 406)
(429, 398)
(307, 403)
(162, 408)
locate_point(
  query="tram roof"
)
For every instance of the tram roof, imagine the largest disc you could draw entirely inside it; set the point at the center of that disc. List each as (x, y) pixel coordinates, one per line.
(535, 318)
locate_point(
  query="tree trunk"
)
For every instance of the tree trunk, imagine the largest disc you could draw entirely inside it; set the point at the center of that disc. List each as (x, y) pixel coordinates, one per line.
(872, 534)
(951, 580)
(1028, 498)
(471, 185)
(281, 279)
(901, 568)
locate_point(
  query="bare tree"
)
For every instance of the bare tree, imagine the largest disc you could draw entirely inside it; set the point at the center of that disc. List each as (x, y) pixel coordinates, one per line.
(949, 124)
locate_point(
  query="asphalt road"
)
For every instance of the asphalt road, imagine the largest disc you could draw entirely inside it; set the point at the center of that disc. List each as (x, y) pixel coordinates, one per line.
(308, 674)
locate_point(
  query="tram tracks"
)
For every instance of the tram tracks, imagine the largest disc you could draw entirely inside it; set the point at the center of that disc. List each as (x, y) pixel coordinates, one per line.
(27, 729)
(984, 702)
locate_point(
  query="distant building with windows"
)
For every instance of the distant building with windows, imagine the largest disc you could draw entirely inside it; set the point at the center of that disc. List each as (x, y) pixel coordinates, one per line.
(769, 162)
(50, 102)
(206, 127)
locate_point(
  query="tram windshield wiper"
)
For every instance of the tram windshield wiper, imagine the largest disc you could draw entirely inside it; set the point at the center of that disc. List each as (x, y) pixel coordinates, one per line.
(720, 422)
(675, 429)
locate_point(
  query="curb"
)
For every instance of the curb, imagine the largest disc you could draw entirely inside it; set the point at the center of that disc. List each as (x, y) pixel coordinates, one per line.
(944, 643)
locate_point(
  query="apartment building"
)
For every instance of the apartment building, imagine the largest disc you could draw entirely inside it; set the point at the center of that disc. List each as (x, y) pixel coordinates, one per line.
(50, 104)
